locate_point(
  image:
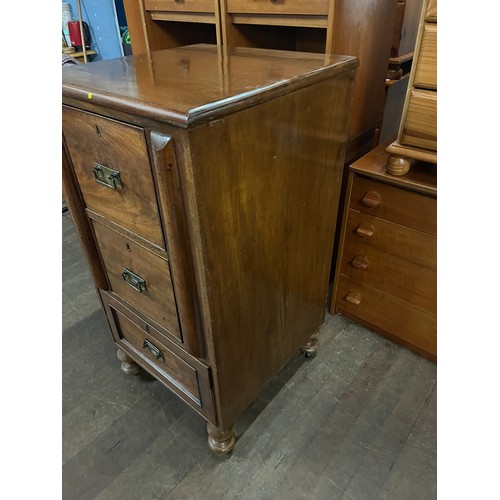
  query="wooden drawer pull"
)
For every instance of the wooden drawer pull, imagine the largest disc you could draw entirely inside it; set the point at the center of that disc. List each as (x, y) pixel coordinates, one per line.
(360, 262)
(365, 230)
(354, 298)
(371, 199)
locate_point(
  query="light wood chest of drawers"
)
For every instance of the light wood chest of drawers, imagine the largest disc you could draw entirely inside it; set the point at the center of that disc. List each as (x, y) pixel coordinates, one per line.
(387, 262)
(189, 174)
(417, 136)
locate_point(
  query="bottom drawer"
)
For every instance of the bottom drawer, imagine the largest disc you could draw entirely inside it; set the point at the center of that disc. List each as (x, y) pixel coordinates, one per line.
(184, 375)
(388, 315)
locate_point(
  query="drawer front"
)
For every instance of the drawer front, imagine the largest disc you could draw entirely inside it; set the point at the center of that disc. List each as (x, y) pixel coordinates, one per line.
(390, 273)
(420, 127)
(393, 239)
(180, 5)
(94, 142)
(388, 315)
(183, 374)
(394, 204)
(126, 264)
(291, 7)
(426, 71)
(431, 11)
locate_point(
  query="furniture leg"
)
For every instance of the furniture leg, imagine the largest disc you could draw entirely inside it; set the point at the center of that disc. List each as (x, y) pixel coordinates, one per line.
(220, 441)
(311, 347)
(398, 165)
(128, 366)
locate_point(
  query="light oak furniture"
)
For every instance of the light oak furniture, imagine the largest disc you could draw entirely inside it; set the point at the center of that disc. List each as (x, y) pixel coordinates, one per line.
(362, 28)
(387, 261)
(400, 62)
(417, 136)
(204, 187)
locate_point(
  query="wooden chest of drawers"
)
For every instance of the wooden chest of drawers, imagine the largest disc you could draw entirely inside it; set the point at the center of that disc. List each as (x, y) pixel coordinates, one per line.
(190, 175)
(417, 136)
(387, 263)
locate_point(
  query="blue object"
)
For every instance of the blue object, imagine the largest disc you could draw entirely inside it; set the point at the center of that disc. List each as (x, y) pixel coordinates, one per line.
(101, 16)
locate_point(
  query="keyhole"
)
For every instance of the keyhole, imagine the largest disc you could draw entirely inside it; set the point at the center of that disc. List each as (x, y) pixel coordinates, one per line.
(128, 247)
(97, 131)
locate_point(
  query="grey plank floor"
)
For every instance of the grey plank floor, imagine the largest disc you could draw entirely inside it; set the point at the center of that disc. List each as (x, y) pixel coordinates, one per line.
(357, 422)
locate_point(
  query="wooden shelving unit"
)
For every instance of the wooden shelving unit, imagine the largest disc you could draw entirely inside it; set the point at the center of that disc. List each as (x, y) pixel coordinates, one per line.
(354, 27)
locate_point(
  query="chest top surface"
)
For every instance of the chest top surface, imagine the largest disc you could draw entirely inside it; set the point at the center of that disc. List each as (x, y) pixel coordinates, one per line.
(188, 85)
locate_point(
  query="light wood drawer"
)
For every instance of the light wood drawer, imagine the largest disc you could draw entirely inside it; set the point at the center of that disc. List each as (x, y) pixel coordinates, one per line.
(290, 7)
(414, 246)
(388, 315)
(431, 11)
(390, 273)
(126, 263)
(180, 5)
(420, 127)
(426, 71)
(184, 375)
(94, 142)
(394, 204)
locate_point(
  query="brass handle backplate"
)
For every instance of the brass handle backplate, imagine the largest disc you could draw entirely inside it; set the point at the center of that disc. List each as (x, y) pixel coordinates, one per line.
(107, 176)
(153, 350)
(135, 281)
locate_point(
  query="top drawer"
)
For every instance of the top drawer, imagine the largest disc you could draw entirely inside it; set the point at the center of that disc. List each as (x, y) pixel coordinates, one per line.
(394, 204)
(180, 5)
(291, 7)
(95, 142)
(426, 72)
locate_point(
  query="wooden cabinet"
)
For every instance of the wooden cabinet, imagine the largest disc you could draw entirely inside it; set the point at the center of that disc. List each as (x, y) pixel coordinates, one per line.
(361, 28)
(400, 63)
(189, 174)
(417, 136)
(387, 262)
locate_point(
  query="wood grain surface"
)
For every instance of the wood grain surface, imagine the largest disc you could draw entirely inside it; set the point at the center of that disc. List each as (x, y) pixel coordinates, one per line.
(234, 80)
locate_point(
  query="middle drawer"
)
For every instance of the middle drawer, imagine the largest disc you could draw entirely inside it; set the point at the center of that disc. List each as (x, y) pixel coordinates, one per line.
(140, 277)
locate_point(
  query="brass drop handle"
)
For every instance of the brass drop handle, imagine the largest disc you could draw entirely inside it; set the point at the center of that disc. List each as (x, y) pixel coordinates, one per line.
(354, 298)
(107, 176)
(134, 280)
(153, 350)
(360, 262)
(365, 230)
(371, 199)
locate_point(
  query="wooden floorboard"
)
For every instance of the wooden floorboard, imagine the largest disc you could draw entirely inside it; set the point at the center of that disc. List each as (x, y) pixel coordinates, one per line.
(357, 422)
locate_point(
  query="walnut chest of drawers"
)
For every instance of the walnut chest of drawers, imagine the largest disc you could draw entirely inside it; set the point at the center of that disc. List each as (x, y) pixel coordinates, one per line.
(204, 185)
(386, 278)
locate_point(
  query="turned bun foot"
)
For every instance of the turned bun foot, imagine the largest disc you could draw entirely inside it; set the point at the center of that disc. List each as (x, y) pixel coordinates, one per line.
(220, 441)
(311, 347)
(128, 366)
(398, 165)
